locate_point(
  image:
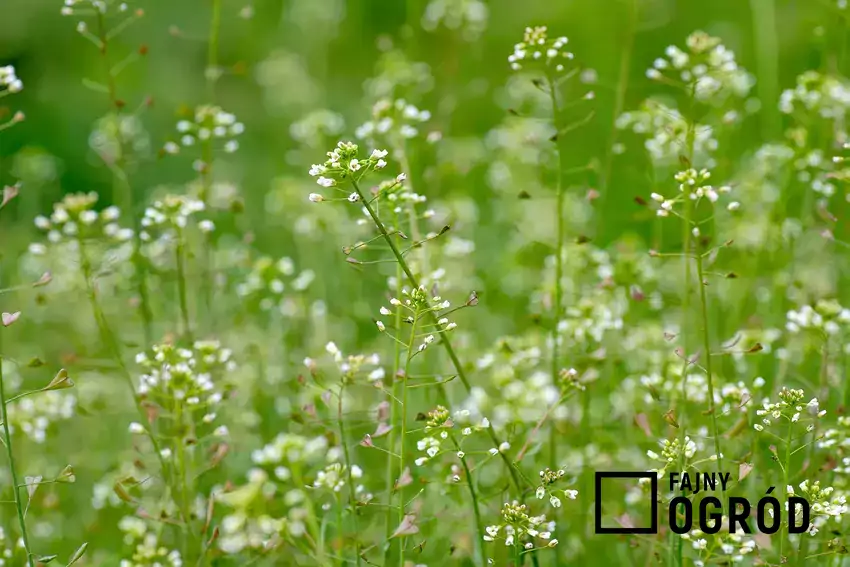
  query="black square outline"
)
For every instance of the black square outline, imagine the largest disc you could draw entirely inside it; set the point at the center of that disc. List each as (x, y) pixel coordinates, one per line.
(598, 502)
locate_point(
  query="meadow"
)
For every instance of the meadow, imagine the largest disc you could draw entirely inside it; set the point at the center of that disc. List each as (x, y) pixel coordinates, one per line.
(364, 282)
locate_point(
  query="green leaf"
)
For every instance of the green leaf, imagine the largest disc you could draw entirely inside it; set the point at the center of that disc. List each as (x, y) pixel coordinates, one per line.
(46, 558)
(35, 362)
(78, 554)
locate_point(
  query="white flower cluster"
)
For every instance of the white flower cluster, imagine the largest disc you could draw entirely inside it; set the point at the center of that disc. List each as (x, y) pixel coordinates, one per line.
(335, 476)
(734, 546)
(521, 385)
(210, 123)
(547, 478)
(826, 316)
(117, 133)
(668, 382)
(392, 119)
(837, 442)
(150, 553)
(72, 7)
(707, 70)
(666, 132)
(168, 217)
(693, 185)
(470, 16)
(190, 377)
(825, 96)
(790, 408)
(825, 503)
(33, 415)
(352, 365)
(537, 50)
(344, 165)
(292, 449)
(518, 527)
(9, 81)
(241, 531)
(268, 280)
(672, 452)
(316, 126)
(439, 419)
(74, 218)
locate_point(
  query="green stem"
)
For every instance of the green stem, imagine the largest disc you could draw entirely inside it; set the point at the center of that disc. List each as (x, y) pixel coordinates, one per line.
(347, 456)
(16, 487)
(410, 352)
(110, 340)
(120, 177)
(390, 483)
(767, 63)
(212, 50)
(785, 469)
(444, 339)
(181, 286)
(707, 348)
(559, 260)
(188, 541)
(479, 526)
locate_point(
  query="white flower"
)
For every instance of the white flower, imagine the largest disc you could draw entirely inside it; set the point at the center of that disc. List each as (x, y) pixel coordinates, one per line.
(325, 182)
(136, 428)
(401, 177)
(381, 326)
(353, 198)
(555, 501)
(378, 154)
(316, 198)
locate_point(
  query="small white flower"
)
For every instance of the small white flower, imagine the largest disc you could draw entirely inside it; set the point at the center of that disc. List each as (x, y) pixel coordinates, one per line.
(316, 198)
(325, 182)
(381, 326)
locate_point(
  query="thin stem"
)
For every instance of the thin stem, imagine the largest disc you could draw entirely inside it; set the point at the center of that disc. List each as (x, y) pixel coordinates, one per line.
(212, 49)
(619, 103)
(444, 339)
(181, 286)
(709, 376)
(785, 470)
(16, 487)
(347, 456)
(393, 416)
(410, 353)
(111, 342)
(559, 260)
(119, 172)
(184, 486)
(479, 526)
